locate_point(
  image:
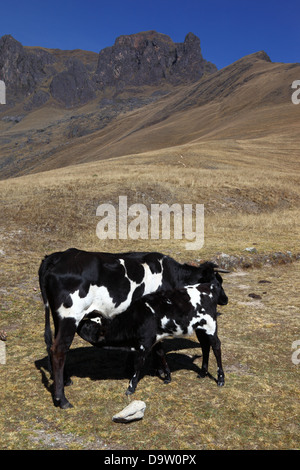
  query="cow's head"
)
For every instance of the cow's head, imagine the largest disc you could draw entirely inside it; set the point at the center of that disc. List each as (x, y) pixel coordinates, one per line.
(206, 272)
(222, 299)
(210, 274)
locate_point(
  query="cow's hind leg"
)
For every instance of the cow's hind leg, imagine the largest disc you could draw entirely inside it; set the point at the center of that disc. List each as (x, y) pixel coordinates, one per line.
(59, 349)
(216, 347)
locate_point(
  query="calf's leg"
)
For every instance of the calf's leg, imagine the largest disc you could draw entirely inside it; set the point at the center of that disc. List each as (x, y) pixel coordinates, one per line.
(207, 341)
(138, 365)
(160, 362)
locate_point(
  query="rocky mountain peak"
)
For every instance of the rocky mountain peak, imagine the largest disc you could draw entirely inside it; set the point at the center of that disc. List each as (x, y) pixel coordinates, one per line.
(150, 58)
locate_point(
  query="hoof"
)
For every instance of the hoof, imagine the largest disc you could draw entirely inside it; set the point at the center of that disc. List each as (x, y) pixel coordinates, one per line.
(67, 405)
(221, 381)
(165, 377)
(202, 374)
(64, 405)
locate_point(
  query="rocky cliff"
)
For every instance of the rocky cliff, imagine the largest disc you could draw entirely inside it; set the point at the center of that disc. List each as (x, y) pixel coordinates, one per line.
(151, 58)
(22, 71)
(34, 75)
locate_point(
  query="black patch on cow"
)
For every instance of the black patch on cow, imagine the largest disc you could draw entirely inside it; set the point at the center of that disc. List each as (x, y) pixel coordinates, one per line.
(199, 324)
(154, 263)
(68, 302)
(139, 291)
(111, 275)
(135, 271)
(84, 288)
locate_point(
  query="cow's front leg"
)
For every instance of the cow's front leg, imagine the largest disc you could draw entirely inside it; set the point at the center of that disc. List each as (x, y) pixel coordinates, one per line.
(138, 365)
(59, 349)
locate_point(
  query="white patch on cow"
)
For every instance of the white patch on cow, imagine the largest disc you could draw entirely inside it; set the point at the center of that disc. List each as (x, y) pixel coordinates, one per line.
(150, 308)
(97, 298)
(164, 321)
(162, 336)
(210, 326)
(178, 331)
(194, 295)
(131, 381)
(80, 306)
(151, 280)
(96, 320)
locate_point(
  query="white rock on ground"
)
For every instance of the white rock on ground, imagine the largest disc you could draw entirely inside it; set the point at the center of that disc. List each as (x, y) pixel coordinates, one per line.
(134, 411)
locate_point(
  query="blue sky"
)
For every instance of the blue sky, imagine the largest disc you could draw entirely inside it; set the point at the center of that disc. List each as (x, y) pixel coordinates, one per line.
(228, 30)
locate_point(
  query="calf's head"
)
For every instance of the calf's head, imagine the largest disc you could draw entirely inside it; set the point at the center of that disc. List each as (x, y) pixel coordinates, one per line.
(92, 328)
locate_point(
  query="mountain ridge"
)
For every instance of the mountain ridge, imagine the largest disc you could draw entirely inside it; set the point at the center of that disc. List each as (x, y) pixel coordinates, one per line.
(34, 75)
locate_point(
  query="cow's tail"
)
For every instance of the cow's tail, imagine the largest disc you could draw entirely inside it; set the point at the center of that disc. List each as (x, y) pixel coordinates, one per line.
(48, 333)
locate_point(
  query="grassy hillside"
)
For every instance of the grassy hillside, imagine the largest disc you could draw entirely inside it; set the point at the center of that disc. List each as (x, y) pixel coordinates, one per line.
(250, 197)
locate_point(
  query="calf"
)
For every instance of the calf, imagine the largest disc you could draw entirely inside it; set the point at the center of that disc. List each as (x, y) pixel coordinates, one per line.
(75, 283)
(159, 315)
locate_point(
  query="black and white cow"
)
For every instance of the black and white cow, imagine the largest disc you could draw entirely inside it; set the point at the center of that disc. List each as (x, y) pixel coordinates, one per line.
(159, 315)
(75, 283)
